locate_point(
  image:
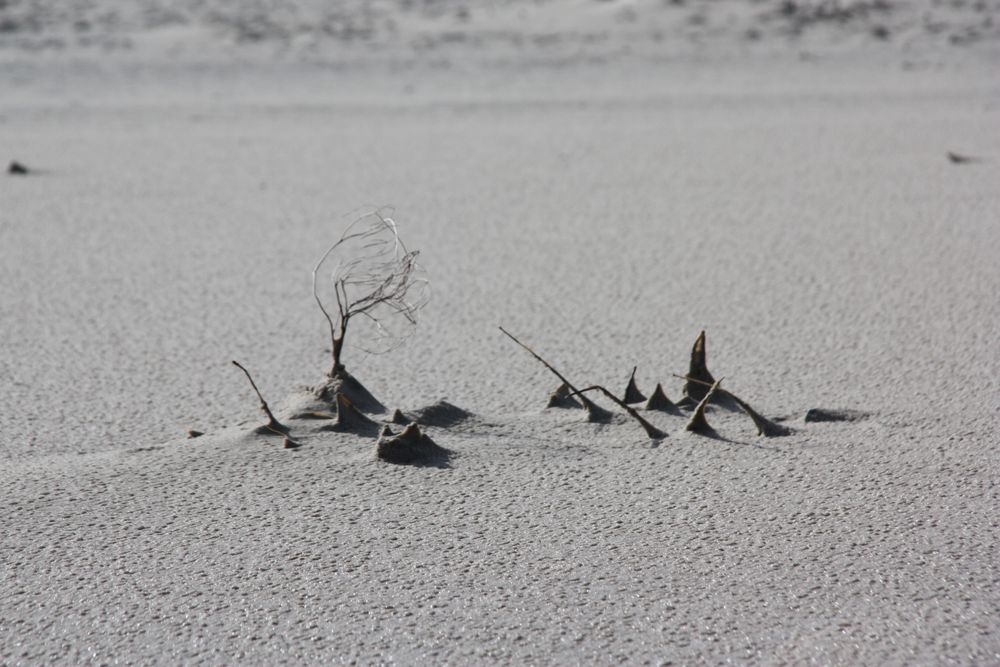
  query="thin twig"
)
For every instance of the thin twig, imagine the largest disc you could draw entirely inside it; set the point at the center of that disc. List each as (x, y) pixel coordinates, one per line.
(651, 431)
(698, 423)
(596, 412)
(720, 390)
(542, 361)
(272, 422)
(765, 426)
(691, 379)
(319, 302)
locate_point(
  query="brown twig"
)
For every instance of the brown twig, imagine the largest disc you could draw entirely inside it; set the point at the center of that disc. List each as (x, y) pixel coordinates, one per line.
(272, 423)
(542, 361)
(651, 431)
(596, 412)
(765, 426)
(698, 423)
(691, 379)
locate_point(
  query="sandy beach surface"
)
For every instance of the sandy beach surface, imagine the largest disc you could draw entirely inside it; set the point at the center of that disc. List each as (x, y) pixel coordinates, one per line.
(605, 180)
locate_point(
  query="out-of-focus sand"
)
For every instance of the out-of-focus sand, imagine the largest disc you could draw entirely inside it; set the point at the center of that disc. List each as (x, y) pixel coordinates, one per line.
(799, 209)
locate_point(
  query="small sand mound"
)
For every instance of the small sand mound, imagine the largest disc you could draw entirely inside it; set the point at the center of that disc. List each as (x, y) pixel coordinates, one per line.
(350, 419)
(561, 398)
(346, 384)
(441, 414)
(411, 447)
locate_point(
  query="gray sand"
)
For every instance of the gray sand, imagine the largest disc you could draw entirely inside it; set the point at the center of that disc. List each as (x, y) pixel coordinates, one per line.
(801, 211)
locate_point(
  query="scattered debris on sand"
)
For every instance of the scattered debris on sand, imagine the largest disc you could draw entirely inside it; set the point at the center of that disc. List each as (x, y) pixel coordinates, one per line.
(957, 158)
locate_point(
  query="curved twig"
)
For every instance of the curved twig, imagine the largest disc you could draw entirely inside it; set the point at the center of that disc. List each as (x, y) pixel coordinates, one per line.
(651, 431)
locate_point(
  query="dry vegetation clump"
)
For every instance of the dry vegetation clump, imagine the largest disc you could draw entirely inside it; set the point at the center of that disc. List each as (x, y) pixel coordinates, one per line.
(378, 288)
(367, 283)
(700, 391)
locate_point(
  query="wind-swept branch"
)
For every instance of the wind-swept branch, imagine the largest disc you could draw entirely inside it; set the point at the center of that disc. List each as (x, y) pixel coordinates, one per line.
(375, 281)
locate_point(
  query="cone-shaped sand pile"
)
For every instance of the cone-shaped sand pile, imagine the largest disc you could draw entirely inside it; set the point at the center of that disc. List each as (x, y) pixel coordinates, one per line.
(699, 379)
(346, 384)
(596, 413)
(411, 447)
(632, 393)
(659, 401)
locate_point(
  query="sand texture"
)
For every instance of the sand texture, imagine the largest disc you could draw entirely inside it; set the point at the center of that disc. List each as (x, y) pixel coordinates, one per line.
(790, 194)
